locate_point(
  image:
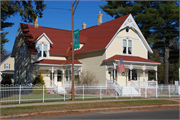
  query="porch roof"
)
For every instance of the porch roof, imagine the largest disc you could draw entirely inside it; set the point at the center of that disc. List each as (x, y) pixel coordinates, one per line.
(56, 62)
(129, 59)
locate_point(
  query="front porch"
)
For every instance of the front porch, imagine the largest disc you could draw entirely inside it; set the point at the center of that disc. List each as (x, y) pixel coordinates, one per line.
(56, 75)
(136, 69)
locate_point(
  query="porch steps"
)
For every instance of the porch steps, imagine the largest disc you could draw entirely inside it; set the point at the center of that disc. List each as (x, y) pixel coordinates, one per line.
(61, 90)
(126, 91)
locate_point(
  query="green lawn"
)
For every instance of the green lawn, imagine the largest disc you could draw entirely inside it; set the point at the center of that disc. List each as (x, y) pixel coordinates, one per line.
(57, 107)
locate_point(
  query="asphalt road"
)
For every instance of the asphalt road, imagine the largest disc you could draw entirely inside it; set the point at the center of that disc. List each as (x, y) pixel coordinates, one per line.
(165, 114)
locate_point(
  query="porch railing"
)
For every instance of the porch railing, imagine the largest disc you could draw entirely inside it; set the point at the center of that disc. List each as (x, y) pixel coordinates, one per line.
(117, 87)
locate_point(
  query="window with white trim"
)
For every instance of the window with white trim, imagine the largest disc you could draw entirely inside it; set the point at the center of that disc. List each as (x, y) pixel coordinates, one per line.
(6, 66)
(22, 52)
(127, 46)
(68, 75)
(43, 50)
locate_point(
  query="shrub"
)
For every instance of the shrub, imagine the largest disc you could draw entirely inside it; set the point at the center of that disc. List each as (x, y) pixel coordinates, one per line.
(39, 80)
(39, 88)
(88, 79)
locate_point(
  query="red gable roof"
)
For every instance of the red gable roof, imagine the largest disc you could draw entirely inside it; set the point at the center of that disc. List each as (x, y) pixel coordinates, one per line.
(95, 38)
(57, 62)
(130, 58)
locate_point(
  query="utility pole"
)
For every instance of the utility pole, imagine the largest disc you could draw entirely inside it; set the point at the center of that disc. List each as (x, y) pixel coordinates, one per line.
(73, 11)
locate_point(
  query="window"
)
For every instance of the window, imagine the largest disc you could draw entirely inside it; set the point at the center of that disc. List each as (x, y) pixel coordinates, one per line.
(43, 50)
(127, 46)
(68, 75)
(6, 66)
(59, 76)
(134, 74)
(22, 52)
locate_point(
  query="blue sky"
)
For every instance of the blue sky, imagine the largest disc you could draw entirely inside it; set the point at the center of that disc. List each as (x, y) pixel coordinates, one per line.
(86, 11)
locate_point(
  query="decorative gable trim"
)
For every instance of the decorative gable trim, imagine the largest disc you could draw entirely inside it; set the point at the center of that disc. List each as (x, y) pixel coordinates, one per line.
(130, 22)
(47, 38)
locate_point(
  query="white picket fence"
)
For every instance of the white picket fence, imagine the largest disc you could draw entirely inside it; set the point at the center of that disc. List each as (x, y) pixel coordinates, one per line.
(30, 93)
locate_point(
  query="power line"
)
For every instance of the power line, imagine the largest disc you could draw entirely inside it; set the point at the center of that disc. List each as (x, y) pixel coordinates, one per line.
(58, 8)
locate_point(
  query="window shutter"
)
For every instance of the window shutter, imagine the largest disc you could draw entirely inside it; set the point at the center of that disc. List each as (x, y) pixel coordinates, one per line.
(5, 66)
(9, 66)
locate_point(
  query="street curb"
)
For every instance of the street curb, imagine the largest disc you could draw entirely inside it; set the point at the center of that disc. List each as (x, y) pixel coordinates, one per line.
(85, 110)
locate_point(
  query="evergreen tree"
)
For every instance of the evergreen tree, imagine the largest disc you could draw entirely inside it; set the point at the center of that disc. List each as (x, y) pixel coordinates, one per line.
(158, 21)
(27, 9)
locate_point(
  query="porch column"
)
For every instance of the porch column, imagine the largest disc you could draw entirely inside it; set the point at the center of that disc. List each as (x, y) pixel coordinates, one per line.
(144, 72)
(131, 67)
(155, 68)
(114, 66)
(52, 71)
(63, 76)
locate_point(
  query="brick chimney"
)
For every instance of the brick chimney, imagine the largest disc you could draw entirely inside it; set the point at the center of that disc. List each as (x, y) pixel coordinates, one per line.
(84, 26)
(36, 22)
(100, 15)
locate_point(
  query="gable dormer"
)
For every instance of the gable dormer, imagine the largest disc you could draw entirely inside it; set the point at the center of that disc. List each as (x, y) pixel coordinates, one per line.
(43, 44)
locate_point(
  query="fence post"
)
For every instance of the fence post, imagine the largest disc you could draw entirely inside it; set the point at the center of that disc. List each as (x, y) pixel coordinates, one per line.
(43, 93)
(145, 91)
(64, 93)
(131, 89)
(83, 92)
(156, 89)
(116, 92)
(100, 91)
(169, 90)
(19, 94)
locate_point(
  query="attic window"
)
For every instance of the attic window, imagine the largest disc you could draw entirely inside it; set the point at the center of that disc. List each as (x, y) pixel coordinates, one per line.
(127, 46)
(43, 50)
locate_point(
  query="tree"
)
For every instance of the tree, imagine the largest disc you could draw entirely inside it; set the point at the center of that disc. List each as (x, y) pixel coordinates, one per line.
(158, 21)
(151, 73)
(3, 41)
(28, 10)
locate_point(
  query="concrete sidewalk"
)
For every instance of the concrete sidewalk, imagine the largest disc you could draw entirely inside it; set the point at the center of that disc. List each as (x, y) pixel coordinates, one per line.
(85, 101)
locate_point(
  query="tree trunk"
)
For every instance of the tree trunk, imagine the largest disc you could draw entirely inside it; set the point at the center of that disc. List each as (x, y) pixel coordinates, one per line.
(166, 65)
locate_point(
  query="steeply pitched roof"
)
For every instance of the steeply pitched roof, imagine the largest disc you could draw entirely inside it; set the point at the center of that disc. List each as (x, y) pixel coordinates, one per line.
(4, 57)
(130, 58)
(95, 38)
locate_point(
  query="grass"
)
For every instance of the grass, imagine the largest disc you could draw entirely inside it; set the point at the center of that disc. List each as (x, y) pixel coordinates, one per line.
(30, 109)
